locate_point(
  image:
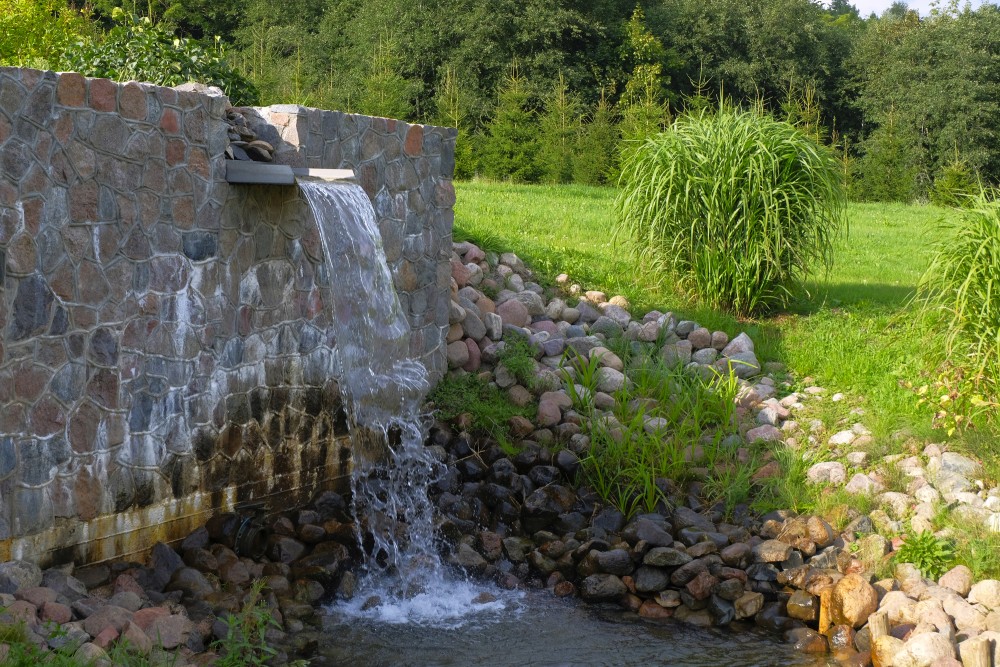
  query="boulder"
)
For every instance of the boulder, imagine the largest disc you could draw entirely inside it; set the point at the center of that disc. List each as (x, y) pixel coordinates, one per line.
(853, 601)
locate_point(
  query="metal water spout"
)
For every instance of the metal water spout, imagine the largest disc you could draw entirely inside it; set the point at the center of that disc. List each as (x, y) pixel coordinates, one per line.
(263, 173)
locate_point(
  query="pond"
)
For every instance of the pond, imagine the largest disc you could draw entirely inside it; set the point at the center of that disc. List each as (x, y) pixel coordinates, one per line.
(532, 628)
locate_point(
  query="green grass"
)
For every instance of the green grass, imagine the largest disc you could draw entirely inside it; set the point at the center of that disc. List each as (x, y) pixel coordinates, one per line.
(854, 331)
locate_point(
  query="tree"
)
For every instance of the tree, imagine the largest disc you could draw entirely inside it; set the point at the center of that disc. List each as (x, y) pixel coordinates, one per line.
(643, 106)
(451, 103)
(35, 33)
(511, 145)
(384, 90)
(559, 125)
(597, 145)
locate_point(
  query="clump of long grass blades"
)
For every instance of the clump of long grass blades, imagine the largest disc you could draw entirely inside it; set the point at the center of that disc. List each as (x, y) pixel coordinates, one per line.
(961, 289)
(736, 206)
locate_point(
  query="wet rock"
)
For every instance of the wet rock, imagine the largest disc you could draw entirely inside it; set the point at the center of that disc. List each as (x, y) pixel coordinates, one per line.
(806, 640)
(544, 505)
(853, 601)
(665, 557)
(615, 561)
(803, 606)
(602, 588)
(651, 579)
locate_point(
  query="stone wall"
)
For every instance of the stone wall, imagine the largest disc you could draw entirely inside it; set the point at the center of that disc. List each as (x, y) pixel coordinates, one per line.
(165, 337)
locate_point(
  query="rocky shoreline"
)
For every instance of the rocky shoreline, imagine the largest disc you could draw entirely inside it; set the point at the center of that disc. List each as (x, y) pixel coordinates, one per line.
(521, 517)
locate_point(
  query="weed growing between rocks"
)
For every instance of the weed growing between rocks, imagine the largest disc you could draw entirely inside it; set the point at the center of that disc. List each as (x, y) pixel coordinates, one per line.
(486, 409)
(932, 555)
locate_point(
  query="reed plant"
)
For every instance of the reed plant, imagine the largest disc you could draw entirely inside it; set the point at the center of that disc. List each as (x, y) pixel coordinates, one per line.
(735, 206)
(961, 292)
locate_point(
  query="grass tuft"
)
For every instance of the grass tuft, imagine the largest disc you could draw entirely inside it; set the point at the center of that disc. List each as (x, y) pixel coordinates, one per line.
(736, 205)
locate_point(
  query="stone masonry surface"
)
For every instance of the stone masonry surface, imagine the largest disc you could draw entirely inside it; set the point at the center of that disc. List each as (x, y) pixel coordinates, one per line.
(165, 337)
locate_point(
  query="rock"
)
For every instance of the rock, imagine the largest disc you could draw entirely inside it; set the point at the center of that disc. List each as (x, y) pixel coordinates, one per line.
(986, 593)
(170, 631)
(748, 605)
(803, 606)
(771, 551)
(862, 484)
(765, 433)
(842, 438)
(609, 380)
(514, 313)
(853, 601)
(665, 557)
(925, 650)
(105, 617)
(190, 582)
(739, 345)
(615, 561)
(469, 559)
(958, 579)
(544, 505)
(458, 354)
(651, 579)
(165, 561)
(828, 472)
(607, 358)
(17, 574)
(806, 640)
(885, 649)
(602, 588)
(743, 365)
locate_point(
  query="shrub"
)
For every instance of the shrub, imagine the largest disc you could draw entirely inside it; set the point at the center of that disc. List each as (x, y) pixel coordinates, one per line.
(140, 50)
(960, 289)
(735, 205)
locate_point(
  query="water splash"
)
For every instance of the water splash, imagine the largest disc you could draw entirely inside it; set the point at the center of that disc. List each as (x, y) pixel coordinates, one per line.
(384, 389)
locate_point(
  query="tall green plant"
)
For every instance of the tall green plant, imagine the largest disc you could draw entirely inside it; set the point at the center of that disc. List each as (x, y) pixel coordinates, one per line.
(385, 92)
(962, 288)
(735, 205)
(452, 111)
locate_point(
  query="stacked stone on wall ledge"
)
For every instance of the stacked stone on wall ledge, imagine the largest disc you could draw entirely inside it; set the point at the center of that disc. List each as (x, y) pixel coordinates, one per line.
(166, 344)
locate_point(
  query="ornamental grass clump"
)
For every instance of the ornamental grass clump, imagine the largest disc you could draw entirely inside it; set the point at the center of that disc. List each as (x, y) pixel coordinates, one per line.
(735, 206)
(961, 290)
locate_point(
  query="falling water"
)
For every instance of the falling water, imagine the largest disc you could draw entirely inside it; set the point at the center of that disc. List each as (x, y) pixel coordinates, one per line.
(384, 390)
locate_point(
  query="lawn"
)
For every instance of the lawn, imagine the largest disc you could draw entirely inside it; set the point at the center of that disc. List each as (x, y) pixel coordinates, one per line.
(854, 332)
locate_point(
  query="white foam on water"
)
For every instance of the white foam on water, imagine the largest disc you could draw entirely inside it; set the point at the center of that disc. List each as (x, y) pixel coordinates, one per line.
(445, 604)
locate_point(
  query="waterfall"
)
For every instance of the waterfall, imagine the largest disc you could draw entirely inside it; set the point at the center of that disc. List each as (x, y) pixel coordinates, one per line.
(384, 390)
(382, 386)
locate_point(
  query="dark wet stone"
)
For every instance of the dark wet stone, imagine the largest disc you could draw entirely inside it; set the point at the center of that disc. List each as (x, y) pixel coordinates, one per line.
(544, 505)
(723, 611)
(31, 307)
(762, 572)
(652, 534)
(472, 468)
(602, 588)
(568, 462)
(615, 561)
(199, 246)
(651, 579)
(665, 557)
(37, 463)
